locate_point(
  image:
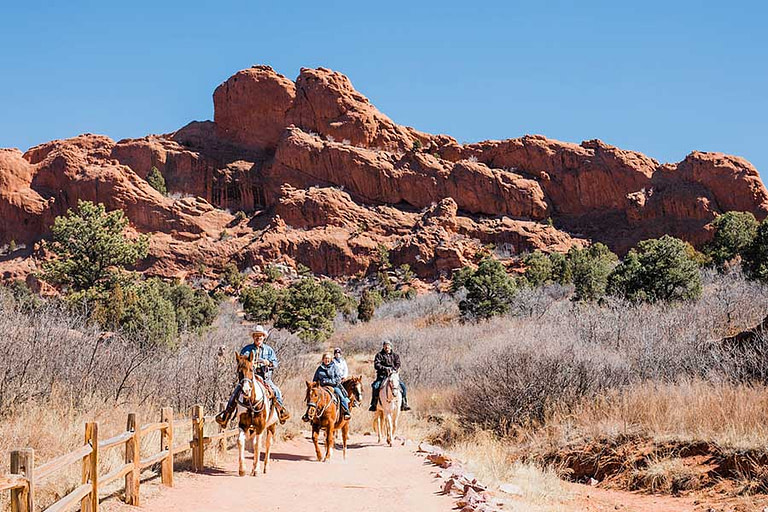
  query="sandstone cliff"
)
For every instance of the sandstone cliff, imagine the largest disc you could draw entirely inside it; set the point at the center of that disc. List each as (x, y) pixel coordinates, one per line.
(324, 178)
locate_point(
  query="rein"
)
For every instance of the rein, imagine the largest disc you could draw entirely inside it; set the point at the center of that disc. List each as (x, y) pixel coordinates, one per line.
(256, 407)
(319, 413)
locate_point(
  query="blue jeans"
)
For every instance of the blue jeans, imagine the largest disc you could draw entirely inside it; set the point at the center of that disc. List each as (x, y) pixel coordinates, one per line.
(342, 396)
(278, 393)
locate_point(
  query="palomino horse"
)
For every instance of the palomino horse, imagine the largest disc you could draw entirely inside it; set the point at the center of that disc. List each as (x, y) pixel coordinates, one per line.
(256, 414)
(388, 407)
(323, 413)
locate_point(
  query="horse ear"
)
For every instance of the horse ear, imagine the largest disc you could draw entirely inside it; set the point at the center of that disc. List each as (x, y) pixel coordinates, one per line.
(309, 384)
(253, 356)
(237, 355)
(360, 378)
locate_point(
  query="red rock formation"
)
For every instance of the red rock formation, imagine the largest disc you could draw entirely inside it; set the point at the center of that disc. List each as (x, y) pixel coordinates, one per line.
(330, 178)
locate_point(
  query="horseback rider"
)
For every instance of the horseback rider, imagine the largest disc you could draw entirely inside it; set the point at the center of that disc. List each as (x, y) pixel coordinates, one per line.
(327, 374)
(385, 362)
(265, 363)
(340, 363)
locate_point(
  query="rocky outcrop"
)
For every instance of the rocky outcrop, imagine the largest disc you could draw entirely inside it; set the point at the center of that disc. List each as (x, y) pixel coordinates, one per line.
(325, 178)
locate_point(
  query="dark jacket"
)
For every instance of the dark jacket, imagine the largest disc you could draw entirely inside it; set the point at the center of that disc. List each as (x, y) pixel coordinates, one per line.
(327, 375)
(385, 362)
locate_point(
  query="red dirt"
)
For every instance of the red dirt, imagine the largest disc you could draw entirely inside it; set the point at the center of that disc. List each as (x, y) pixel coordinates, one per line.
(373, 478)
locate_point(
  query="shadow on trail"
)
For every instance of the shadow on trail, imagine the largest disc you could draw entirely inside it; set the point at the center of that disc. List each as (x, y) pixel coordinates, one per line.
(288, 456)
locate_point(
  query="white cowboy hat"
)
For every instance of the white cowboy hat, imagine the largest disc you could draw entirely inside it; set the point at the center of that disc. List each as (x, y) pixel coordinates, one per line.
(260, 330)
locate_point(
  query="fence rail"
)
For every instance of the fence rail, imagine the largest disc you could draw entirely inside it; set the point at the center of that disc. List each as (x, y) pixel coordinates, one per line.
(24, 477)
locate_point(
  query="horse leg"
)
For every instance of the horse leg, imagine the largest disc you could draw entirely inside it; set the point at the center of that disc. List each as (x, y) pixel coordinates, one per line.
(256, 453)
(377, 426)
(268, 444)
(241, 453)
(395, 416)
(344, 437)
(328, 442)
(315, 435)
(389, 428)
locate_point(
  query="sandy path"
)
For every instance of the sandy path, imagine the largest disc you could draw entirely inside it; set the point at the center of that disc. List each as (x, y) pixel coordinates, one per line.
(373, 478)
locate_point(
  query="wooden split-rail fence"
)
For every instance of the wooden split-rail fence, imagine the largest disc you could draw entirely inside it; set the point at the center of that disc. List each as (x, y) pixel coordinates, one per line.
(25, 476)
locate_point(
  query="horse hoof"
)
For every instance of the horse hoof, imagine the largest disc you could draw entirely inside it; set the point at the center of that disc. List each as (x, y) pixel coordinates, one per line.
(241, 472)
(254, 472)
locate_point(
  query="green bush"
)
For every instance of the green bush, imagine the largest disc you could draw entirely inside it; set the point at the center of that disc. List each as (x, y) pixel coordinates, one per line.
(657, 270)
(369, 301)
(734, 231)
(232, 277)
(589, 269)
(538, 268)
(157, 181)
(489, 290)
(561, 268)
(341, 301)
(261, 303)
(755, 255)
(273, 273)
(91, 248)
(194, 309)
(307, 310)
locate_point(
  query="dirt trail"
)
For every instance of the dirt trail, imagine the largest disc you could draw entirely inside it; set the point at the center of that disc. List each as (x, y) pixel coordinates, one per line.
(373, 478)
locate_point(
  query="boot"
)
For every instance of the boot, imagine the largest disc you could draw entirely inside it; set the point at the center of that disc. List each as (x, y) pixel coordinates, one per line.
(404, 405)
(282, 413)
(223, 417)
(374, 398)
(345, 410)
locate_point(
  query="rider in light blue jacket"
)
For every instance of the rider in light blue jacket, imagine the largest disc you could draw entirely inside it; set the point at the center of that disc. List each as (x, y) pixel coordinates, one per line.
(264, 365)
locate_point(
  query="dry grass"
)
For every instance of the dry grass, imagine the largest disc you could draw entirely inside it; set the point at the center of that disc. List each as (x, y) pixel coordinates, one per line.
(730, 416)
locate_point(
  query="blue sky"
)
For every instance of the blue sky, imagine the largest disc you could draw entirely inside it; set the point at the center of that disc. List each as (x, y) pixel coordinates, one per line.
(663, 78)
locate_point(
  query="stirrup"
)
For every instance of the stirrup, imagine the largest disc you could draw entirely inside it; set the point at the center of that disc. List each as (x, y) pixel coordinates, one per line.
(283, 415)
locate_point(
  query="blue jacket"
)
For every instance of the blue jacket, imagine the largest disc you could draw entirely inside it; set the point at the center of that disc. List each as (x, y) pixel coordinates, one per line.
(266, 352)
(327, 375)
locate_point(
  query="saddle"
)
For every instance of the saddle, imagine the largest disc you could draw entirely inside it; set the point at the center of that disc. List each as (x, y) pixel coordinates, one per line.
(269, 391)
(332, 391)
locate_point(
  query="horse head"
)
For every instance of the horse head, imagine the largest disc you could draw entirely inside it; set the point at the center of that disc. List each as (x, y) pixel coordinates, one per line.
(393, 381)
(354, 388)
(312, 401)
(245, 372)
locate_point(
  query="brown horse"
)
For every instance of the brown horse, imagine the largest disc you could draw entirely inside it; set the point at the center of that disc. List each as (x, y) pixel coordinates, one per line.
(255, 412)
(354, 388)
(323, 413)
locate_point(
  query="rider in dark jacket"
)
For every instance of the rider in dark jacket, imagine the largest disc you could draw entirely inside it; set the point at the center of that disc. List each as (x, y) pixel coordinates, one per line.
(386, 361)
(327, 374)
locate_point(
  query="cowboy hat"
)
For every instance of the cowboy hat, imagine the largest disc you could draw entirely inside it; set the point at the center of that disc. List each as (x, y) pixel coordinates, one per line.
(260, 331)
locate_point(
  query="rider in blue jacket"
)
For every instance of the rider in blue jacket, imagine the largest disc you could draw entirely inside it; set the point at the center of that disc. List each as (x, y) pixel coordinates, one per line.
(264, 365)
(327, 374)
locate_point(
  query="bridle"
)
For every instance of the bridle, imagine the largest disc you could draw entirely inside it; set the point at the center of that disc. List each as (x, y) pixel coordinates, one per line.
(250, 403)
(392, 390)
(312, 405)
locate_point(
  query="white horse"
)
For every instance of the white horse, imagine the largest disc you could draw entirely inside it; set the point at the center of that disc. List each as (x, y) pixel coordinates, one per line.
(388, 407)
(256, 416)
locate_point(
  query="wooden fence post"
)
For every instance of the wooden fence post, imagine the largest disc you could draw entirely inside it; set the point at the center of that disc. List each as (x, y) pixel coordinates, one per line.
(166, 443)
(133, 456)
(91, 468)
(198, 435)
(23, 463)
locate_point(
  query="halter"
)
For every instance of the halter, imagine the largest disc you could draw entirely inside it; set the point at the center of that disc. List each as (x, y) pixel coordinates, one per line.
(319, 414)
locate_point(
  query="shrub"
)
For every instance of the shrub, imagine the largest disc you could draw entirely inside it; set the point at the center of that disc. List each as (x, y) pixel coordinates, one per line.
(657, 270)
(307, 310)
(157, 181)
(273, 273)
(561, 268)
(590, 268)
(91, 247)
(194, 309)
(148, 314)
(261, 303)
(734, 231)
(369, 301)
(489, 290)
(755, 256)
(240, 216)
(538, 268)
(232, 277)
(341, 301)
